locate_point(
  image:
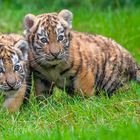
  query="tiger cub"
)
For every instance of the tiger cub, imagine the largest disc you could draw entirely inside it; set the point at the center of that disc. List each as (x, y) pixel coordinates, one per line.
(14, 71)
(79, 62)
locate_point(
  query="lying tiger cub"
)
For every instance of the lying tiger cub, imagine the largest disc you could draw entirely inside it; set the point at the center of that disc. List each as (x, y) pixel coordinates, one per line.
(80, 62)
(14, 71)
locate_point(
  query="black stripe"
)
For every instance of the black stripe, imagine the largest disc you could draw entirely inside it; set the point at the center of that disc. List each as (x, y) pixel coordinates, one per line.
(97, 73)
(110, 78)
(103, 72)
(100, 73)
(118, 76)
(105, 78)
(103, 86)
(96, 79)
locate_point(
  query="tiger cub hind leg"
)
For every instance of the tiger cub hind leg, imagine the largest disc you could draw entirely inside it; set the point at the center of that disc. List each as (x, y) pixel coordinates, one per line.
(84, 83)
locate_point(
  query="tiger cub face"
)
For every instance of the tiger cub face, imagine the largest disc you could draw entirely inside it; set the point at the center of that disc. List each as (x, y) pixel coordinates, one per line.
(50, 34)
(13, 56)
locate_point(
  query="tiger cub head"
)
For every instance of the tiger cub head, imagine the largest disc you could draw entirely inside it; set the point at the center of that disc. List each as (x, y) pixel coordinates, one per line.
(49, 35)
(13, 56)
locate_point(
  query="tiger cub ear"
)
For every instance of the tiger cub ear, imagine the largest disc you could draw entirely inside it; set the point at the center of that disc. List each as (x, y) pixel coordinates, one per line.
(30, 21)
(24, 48)
(66, 17)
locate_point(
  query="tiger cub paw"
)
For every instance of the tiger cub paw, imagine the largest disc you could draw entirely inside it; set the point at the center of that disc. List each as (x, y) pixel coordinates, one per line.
(10, 105)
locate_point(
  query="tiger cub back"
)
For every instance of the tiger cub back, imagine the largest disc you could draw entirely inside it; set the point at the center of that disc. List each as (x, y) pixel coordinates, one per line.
(79, 62)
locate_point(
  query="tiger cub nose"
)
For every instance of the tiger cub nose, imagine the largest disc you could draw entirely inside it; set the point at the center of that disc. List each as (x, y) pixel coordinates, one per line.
(55, 54)
(11, 81)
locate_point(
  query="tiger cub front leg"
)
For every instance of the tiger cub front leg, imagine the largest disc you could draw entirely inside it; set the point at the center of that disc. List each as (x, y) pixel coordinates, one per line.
(13, 102)
(43, 88)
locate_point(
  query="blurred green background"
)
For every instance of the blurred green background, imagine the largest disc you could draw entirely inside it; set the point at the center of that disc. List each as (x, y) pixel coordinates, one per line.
(59, 4)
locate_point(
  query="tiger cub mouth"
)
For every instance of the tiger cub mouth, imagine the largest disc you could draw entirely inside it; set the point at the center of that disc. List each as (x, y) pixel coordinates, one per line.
(11, 90)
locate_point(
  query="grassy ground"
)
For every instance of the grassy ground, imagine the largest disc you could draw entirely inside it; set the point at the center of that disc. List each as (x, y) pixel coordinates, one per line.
(69, 118)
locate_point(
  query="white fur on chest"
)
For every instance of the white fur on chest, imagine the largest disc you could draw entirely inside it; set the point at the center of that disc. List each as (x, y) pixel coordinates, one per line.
(53, 74)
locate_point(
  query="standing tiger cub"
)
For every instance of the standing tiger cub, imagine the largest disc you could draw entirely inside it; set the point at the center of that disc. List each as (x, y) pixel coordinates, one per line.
(14, 71)
(79, 62)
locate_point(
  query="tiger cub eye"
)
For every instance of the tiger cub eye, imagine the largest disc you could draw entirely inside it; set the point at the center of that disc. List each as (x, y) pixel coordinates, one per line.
(16, 68)
(44, 40)
(60, 37)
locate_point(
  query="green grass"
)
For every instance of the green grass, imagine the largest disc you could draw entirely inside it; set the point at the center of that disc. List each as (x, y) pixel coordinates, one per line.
(66, 118)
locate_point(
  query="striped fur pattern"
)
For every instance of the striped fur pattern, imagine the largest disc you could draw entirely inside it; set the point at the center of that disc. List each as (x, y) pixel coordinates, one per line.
(80, 62)
(13, 70)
